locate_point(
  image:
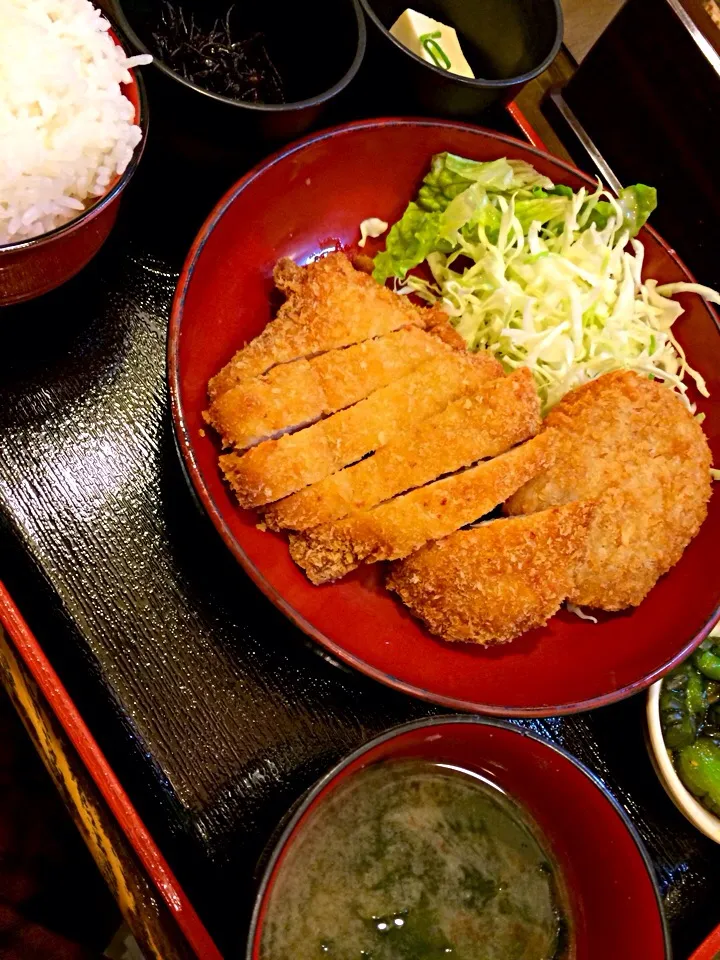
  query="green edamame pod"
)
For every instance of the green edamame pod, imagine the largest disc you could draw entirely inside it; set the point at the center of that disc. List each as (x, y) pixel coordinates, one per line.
(707, 661)
(699, 769)
(697, 694)
(678, 720)
(711, 726)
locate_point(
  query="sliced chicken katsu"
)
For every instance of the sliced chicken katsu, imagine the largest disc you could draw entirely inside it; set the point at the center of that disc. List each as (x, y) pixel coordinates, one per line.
(631, 444)
(495, 581)
(277, 468)
(293, 395)
(329, 304)
(500, 414)
(400, 526)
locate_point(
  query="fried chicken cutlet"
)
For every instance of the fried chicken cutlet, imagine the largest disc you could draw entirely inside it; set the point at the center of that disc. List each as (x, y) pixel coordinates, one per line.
(501, 413)
(630, 443)
(277, 468)
(329, 304)
(400, 526)
(497, 580)
(296, 394)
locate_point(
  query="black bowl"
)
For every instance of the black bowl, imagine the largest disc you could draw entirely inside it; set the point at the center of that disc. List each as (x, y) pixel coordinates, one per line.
(506, 42)
(318, 48)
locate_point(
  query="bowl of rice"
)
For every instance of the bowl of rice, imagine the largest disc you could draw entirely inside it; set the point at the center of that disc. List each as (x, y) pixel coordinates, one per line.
(73, 124)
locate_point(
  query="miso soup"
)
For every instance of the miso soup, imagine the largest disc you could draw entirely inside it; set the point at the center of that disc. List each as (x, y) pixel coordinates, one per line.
(411, 860)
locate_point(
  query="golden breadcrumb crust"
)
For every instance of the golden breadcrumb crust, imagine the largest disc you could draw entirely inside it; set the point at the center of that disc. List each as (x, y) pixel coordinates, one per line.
(630, 443)
(329, 304)
(398, 527)
(501, 413)
(278, 468)
(495, 581)
(296, 394)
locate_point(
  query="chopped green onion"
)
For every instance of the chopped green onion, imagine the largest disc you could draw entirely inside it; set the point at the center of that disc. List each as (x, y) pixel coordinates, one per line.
(433, 48)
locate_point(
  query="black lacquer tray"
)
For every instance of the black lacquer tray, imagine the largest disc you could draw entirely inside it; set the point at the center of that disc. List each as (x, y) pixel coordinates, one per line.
(215, 713)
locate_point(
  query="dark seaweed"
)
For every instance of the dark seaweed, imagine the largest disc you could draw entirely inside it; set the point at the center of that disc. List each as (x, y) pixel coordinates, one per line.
(216, 58)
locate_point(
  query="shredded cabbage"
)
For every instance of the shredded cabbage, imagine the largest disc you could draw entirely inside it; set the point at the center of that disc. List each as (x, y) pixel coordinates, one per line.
(579, 612)
(372, 227)
(544, 277)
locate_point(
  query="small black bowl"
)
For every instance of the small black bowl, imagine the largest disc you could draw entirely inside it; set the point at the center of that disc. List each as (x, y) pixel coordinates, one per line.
(506, 42)
(317, 47)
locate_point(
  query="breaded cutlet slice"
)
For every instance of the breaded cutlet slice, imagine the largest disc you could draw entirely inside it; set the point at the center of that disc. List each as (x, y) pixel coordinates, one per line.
(277, 468)
(495, 581)
(296, 394)
(630, 443)
(501, 413)
(398, 527)
(329, 304)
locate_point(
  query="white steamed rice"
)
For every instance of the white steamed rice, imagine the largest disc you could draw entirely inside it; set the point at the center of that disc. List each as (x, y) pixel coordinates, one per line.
(66, 130)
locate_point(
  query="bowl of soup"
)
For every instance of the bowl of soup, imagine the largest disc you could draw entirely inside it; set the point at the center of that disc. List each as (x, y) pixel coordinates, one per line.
(458, 838)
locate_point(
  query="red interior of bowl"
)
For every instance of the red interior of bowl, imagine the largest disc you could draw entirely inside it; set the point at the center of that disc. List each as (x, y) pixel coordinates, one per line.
(614, 905)
(129, 90)
(312, 199)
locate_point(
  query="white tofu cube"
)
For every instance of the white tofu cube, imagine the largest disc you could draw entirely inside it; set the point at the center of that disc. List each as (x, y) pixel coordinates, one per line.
(419, 34)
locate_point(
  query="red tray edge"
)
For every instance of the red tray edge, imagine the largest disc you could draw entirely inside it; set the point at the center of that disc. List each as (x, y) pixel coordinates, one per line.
(107, 783)
(528, 131)
(709, 949)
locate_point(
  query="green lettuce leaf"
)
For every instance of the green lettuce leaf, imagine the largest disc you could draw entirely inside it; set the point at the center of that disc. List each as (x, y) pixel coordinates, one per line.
(559, 190)
(450, 175)
(459, 196)
(526, 177)
(636, 203)
(470, 209)
(409, 242)
(441, 184)
(540, 209)
(493, 174)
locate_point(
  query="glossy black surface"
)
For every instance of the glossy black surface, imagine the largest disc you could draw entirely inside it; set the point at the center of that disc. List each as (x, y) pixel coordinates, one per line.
(215, 712)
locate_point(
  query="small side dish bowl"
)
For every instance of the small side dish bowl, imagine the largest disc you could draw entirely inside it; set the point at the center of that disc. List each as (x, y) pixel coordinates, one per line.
(31, 267)
(686, 803)
(319, 50)
(506, 42)
(612, 897)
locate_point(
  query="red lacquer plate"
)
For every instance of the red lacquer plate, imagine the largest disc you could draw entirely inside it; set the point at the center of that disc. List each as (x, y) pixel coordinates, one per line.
(308, 199)
(613, 900)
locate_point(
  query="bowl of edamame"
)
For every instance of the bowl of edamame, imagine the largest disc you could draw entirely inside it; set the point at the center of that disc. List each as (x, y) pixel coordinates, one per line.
(683, 715)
